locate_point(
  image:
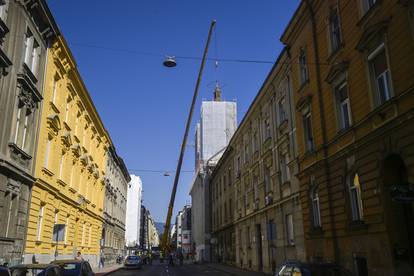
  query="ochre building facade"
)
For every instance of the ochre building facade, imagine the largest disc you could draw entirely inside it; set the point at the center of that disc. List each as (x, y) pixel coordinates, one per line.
(66, 213)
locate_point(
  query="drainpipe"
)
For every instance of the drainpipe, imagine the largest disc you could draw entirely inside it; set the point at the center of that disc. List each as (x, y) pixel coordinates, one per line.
(323, 127)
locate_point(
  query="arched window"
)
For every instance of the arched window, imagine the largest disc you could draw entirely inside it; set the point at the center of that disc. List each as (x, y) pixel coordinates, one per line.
(355, 197)
(316, 211)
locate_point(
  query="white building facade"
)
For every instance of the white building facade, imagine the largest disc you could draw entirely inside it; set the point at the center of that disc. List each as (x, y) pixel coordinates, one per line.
(133, 212)
(217, 125)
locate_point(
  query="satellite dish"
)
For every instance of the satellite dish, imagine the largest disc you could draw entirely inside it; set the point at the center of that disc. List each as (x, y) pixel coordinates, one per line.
(170, 62)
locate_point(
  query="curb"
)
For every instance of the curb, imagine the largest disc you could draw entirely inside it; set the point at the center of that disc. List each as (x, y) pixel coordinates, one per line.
(108, 272)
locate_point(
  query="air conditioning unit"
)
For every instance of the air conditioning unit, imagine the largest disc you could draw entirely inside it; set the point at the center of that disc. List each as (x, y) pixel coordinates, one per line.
(268, 199)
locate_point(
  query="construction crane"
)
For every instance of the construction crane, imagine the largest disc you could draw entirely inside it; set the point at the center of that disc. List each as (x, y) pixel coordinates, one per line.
(164, 242)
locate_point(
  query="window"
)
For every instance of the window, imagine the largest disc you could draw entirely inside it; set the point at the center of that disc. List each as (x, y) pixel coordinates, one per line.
(335, 31)
(303, 66)
(23, 122)
(90, 235)
(248, 236)
(31, 52)
(61, 161)
(367, 4)
(284, 168)
(4, 6)
(316, 213)
(66, 112)
(307, 127)
(39, 224)
(83, 233)
(289, 229)
(281, 111)
(343, 106)
(267, 180)
(267, 130)
(255, 141)
(381, 75)
(54, 88)
(355, 197)
(246, 151)
(67, 229)
(271, 230)
(11, 200)
(255, 186)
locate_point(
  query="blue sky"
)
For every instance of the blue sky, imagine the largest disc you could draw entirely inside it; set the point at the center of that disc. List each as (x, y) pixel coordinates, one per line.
(119, 48)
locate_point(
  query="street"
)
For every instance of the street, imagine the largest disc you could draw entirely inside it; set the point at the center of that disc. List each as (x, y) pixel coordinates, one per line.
(162, 269)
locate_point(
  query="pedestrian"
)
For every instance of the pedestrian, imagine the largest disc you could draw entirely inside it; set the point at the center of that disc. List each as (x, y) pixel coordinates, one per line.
(102, 260)
(171, 259)
(79, 256)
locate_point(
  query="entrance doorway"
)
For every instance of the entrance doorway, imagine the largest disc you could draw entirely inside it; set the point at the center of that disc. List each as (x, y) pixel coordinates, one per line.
(398, 208)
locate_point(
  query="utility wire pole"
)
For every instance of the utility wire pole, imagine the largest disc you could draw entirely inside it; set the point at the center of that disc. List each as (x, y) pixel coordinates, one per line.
(184, 142)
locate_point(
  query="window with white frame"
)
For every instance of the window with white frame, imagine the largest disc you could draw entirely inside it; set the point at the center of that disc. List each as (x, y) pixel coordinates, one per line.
(316, 212)
(367, 5)
(307, 130)
(4, 7)
(31, 52)
(290, 230)
(24, 120)
(380, 74)
(39, 224)
(335, 30)
(303, 66)
(355, 197)
(47, 152)
(281, 110)
(343, 106)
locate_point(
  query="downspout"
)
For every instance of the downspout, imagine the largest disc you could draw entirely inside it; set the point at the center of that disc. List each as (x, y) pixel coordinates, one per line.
(323, 126)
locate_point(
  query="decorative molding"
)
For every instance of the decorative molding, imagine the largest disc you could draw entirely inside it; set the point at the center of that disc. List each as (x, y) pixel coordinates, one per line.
(66, 139)
(371, 33)
(303, 101)
(76, 149)
(336, 70)
(19, 152)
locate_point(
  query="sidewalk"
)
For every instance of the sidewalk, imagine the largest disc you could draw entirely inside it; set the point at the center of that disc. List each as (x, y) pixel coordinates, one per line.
(231, 270)
(107, 269)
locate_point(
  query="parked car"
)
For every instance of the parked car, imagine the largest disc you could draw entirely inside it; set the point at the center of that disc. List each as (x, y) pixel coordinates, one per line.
(133, 261)
(294, 268)
(74, 267)
(36, 270)
(4, 271)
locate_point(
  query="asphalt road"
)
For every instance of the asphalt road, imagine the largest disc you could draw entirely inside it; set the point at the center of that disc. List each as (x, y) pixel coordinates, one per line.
(162, 269)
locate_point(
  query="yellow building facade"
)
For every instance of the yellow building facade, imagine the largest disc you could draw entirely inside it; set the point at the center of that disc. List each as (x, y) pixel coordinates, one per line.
(66, 212)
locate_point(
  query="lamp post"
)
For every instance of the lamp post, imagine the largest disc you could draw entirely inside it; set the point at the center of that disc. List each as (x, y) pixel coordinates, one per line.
(184, 142)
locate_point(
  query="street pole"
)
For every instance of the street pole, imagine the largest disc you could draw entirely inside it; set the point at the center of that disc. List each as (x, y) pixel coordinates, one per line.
(184, 142)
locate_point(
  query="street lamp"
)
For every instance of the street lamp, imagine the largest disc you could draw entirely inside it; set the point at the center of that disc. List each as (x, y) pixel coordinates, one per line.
(170, 61)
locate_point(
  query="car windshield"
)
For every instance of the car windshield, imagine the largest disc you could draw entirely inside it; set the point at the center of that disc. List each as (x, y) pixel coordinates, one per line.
(28, 272)
(70, 269)
(133, 258)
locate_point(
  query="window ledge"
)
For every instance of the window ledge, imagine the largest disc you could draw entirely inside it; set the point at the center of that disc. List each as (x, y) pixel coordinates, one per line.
(357, 225)
(54, 107)
(47, 171)
(302, 85)
(5, 63)
(61, 182)
(20, 152)
(316, 231)
(72, 190)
